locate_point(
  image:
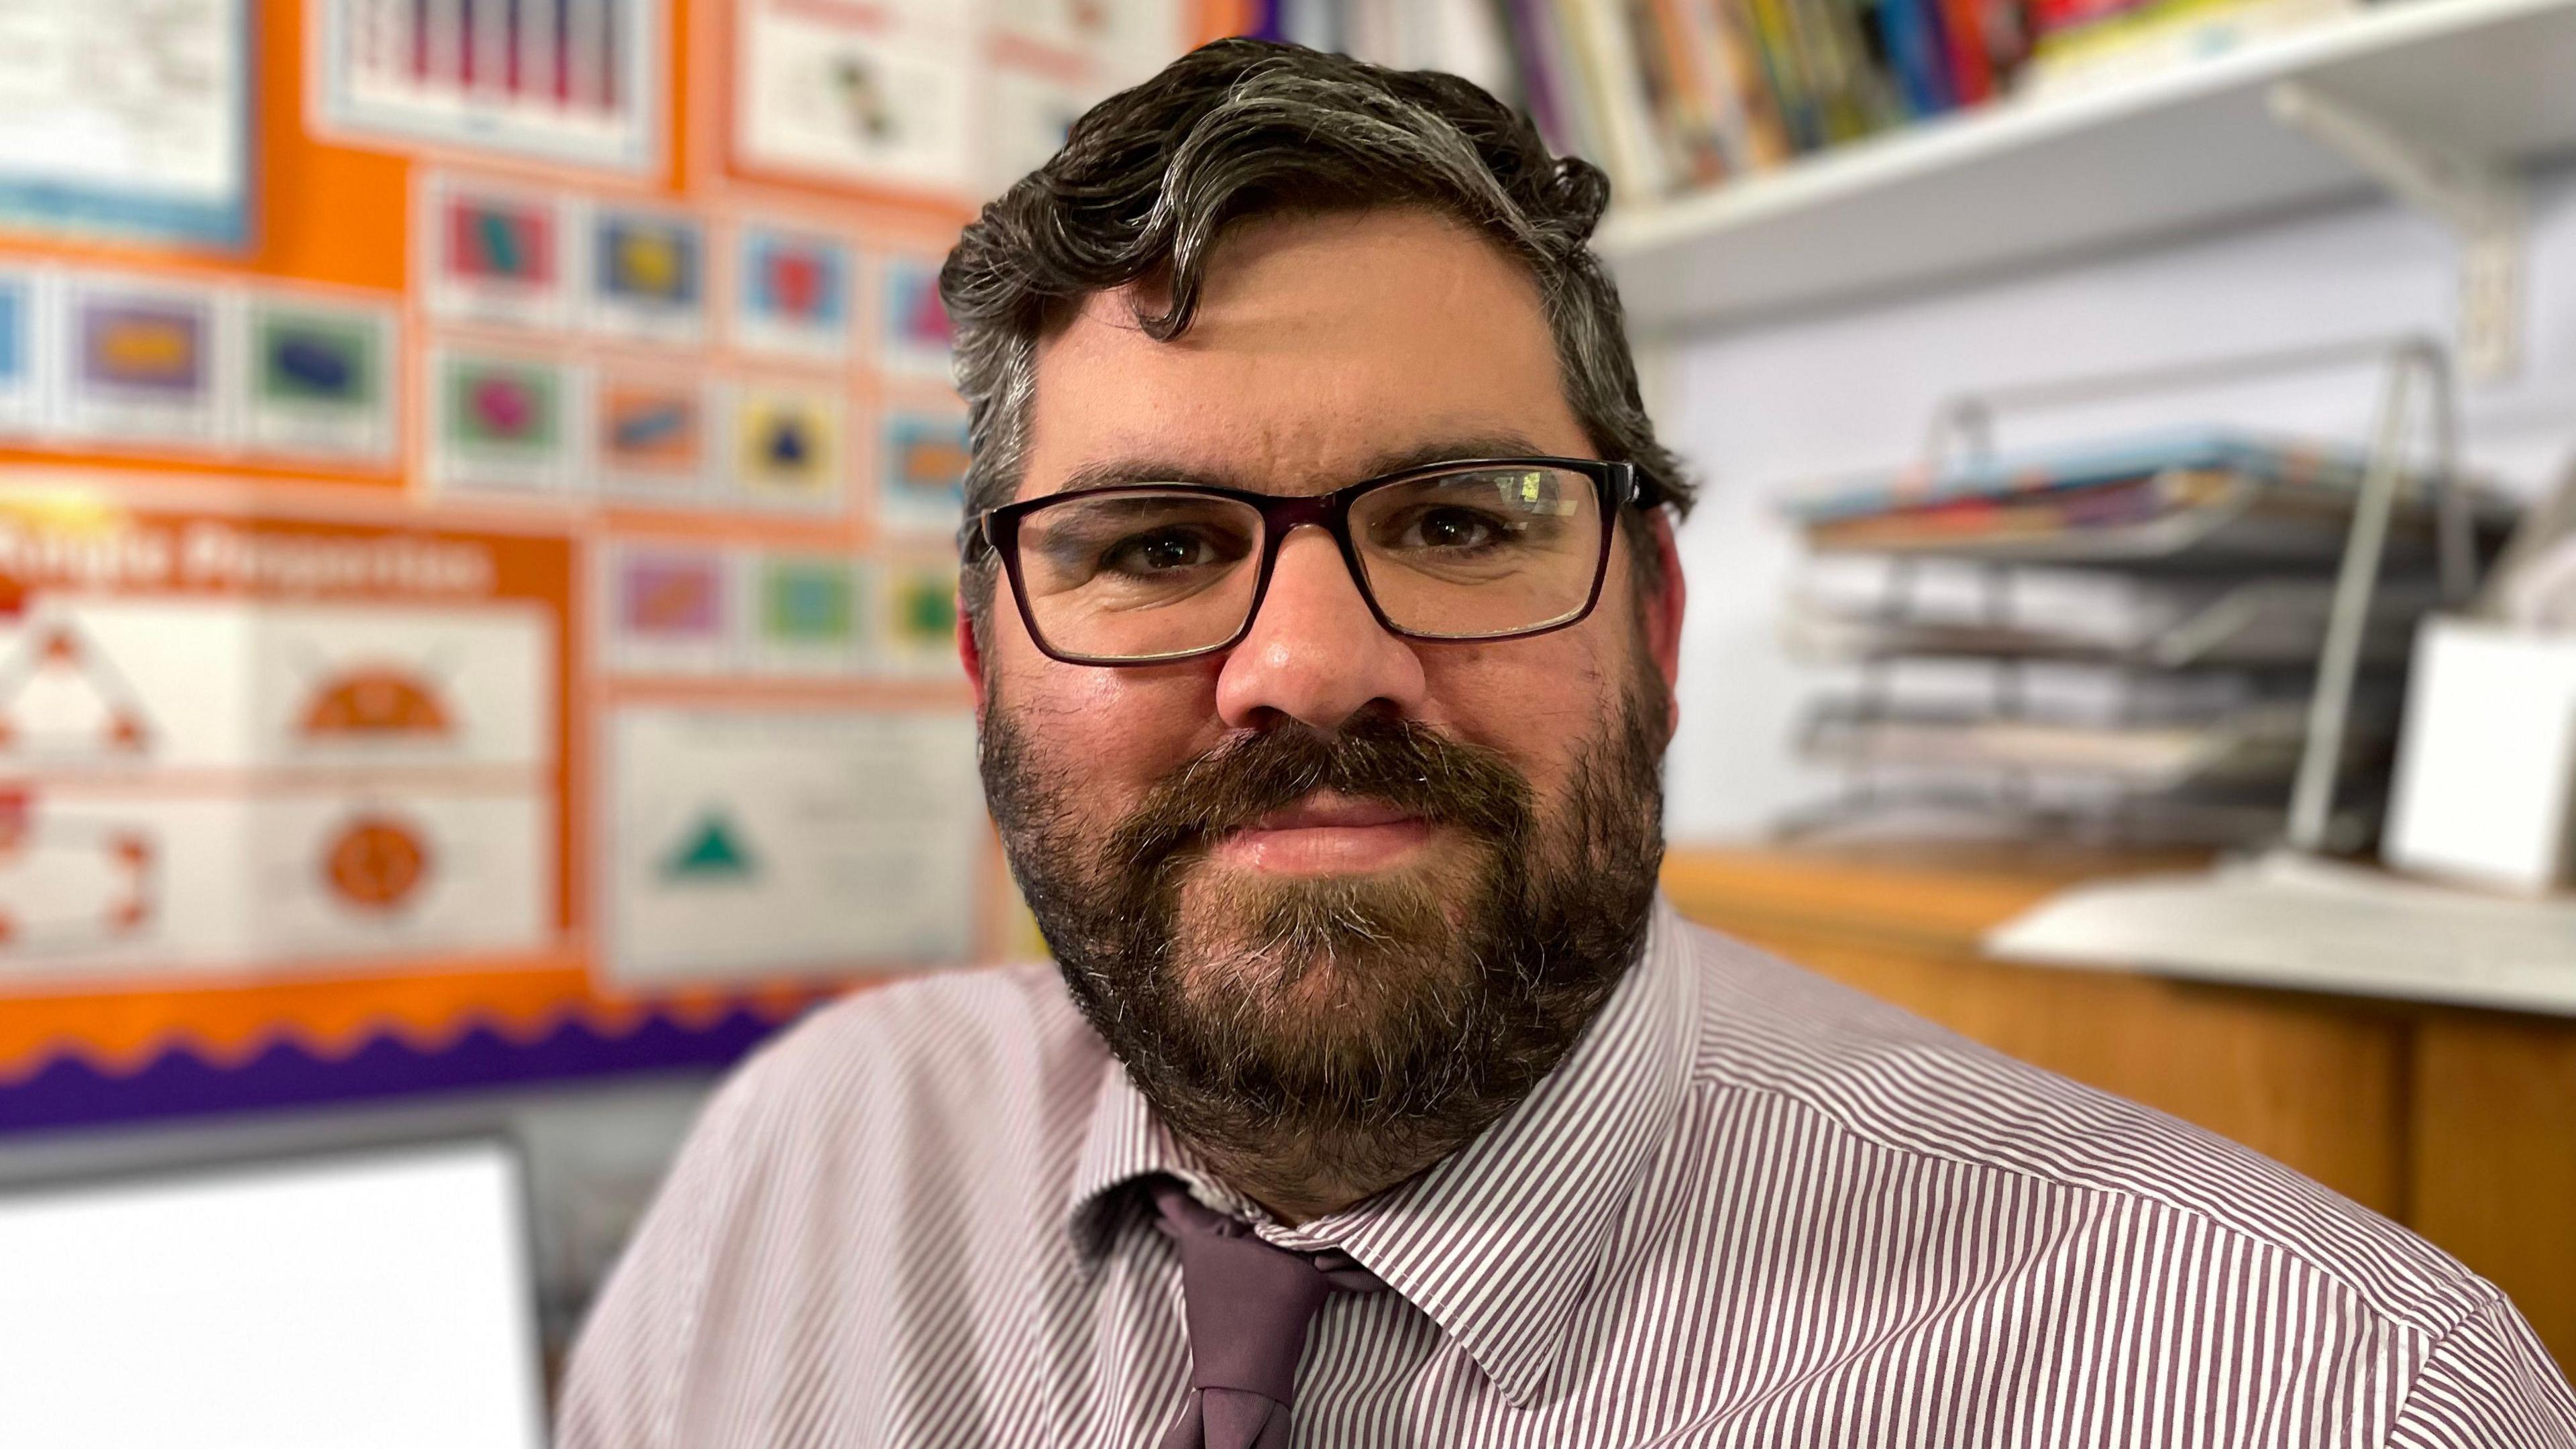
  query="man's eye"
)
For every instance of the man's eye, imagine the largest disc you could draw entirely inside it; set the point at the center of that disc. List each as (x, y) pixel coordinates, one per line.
(1160, 552)
(1450, 529)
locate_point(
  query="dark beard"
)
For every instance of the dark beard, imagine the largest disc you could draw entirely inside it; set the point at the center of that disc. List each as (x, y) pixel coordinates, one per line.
(1326, 1038)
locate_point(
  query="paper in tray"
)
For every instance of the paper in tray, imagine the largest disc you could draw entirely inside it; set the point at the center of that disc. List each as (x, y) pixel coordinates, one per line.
(1848, 608)
(2195, 501)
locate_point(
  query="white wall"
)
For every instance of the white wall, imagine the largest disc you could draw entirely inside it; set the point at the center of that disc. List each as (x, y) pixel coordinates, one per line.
(1758, 410)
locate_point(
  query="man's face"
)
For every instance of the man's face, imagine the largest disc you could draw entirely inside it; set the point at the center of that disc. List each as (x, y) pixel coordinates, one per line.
(1315, 835)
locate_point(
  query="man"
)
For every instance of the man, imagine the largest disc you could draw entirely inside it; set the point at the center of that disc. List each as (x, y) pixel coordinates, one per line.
(1324, 619)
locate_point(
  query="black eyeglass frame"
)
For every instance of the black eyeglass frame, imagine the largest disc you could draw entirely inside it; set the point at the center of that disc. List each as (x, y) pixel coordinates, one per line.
(1617, 485)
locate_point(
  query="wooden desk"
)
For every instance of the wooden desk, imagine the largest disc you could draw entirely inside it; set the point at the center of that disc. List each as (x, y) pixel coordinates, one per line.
(2460, 1124)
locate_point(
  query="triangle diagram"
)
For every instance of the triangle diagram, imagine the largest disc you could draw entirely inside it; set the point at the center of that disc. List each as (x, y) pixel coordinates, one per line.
(60, 695)
(712, 851)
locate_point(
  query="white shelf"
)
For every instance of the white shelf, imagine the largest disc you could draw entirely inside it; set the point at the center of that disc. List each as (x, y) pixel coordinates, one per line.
(1983, 192)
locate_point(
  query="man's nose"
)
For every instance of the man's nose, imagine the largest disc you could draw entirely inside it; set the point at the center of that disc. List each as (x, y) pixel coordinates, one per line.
(1316, 653)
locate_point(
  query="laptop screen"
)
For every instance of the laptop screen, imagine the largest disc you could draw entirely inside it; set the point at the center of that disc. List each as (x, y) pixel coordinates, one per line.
(352, 1301)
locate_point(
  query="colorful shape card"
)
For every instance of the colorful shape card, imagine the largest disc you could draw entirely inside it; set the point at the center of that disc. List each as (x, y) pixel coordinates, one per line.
(144, 362)
(922, 487)
(649, 437)
(917, 620)
(793, 294)
(22, 390)
(320, 378)
(670, 610)
(787, 448)
(500, 422)
(806, 614)
(495, 253)
(647, 275)
(917, 331)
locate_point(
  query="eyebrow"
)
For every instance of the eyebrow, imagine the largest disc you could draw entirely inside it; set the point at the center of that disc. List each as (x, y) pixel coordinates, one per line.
(1115, 472)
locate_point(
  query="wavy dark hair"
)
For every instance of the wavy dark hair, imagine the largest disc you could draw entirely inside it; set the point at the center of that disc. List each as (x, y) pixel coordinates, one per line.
(1149, 180)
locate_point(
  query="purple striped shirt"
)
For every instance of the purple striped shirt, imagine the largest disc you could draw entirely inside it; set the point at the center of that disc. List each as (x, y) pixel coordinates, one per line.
(1751, 1207)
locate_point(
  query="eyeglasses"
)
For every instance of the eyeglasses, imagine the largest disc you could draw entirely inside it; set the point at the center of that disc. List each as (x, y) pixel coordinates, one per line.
(1149, 573)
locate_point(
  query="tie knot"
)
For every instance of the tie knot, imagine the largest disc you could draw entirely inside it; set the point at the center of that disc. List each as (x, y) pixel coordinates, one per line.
(1248, 1302)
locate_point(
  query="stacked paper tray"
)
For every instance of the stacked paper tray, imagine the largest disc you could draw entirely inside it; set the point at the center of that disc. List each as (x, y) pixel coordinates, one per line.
(1839, 613)
(2100, 630)
(2200, 501)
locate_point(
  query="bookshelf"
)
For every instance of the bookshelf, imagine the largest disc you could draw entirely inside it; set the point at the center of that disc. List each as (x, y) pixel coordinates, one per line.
(1980, 193)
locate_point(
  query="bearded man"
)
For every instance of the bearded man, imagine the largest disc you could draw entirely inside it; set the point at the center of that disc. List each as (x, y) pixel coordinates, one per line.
(1323, 617)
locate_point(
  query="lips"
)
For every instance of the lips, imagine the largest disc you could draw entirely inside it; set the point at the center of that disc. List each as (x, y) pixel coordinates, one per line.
(1325, 810)
(1324, 834)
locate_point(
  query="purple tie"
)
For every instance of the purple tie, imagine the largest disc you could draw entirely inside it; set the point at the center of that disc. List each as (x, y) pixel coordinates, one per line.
(1248, 1306)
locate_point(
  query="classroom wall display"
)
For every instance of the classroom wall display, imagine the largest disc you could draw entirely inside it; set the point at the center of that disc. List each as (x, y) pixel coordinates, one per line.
(128, 118)
(508, 631)
(574, 81)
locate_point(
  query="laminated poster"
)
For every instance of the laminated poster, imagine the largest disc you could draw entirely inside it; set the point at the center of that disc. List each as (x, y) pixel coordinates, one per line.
(571, 81)
(127, 117)
(792, 293)
(233, 742)
(756, 845)
(917, 620)
(916, 331)
(501, 422)
(649, 435)
(145, 361)
(494, 253)
(321, 380)
(670, 610)
(921, 487)
(875, 96)
(646, 275)
(787, 451)
(807, 614)
(23, 396)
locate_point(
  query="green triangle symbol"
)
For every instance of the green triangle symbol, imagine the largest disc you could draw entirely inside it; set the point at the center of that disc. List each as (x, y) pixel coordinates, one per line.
(712, 851)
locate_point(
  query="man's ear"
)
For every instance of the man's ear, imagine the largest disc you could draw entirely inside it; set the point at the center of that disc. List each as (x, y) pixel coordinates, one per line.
(971, 654)
(1663, 608)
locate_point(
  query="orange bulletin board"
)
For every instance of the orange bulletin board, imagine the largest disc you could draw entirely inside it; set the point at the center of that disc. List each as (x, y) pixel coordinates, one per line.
(416, 621)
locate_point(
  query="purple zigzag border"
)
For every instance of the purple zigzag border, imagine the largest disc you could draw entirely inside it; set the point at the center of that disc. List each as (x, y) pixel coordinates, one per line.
(70, 1092)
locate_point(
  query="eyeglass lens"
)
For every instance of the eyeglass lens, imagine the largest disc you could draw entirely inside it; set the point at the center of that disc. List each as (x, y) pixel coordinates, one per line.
(1473, 554)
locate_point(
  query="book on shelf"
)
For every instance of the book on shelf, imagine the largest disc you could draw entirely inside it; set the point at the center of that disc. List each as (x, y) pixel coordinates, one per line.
(2142, 39)
(1670, 96)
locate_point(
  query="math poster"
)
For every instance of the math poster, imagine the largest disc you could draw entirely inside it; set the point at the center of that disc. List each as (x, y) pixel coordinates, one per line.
(477, 495)
(232, 740)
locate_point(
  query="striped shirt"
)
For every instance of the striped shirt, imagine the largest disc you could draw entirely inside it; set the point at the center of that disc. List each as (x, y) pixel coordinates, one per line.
(1750, 1208)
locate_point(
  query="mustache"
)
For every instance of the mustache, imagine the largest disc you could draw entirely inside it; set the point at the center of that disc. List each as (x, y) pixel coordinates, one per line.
(1374, 757)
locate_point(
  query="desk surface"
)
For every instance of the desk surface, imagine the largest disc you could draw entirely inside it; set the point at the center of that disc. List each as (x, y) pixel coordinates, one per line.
(2460, 1123)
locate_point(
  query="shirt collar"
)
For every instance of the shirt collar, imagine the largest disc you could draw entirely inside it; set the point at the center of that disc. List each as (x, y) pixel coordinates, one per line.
(1498, 1243)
